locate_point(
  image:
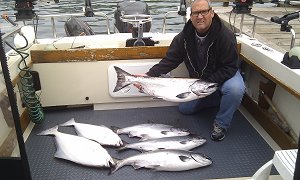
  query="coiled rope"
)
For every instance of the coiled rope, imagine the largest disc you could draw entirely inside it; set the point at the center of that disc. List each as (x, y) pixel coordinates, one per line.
(28, 95)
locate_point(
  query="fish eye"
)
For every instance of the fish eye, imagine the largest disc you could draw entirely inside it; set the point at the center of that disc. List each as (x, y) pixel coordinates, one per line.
(212, 86)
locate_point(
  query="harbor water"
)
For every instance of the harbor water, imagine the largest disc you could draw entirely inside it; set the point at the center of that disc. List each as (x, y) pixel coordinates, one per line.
(158, 9)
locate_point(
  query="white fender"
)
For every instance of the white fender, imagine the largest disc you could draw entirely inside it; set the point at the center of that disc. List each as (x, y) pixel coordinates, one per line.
(19, 40)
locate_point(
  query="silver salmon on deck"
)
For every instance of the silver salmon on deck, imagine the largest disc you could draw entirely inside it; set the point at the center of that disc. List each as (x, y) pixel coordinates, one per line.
(165, 160)
(176, 142)
(169, 89)
(99, 133)
(78, 149)
(151, 131)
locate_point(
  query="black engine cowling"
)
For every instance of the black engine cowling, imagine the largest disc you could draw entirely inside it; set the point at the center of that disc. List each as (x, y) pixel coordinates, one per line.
(130, 8)
(76, 27)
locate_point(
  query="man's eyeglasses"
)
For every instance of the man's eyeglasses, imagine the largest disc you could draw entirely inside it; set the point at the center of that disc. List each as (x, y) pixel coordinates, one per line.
(203, 12)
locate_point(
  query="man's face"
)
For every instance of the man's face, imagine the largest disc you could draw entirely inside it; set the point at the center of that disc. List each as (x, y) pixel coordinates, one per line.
(201, 16)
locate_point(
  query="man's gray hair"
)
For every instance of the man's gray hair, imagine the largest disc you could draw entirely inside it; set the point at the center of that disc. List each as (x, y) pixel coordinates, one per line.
(208, 2)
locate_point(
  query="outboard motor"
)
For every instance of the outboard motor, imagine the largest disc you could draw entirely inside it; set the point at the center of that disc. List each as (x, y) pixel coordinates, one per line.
(130, 8)
(76, 27)
(25, 9)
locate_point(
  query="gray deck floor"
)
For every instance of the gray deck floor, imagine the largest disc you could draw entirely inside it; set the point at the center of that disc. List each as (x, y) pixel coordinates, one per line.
(239, 155)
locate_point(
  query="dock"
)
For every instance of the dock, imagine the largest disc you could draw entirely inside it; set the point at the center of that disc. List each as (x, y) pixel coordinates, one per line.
(265, 31)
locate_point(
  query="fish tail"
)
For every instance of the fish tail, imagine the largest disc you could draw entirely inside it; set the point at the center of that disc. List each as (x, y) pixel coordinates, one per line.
(121, 143)
(112, 162)
(71, 122)
(50, 131)
(114, 129)
(122, 147)
(121, 82)
(115, 166)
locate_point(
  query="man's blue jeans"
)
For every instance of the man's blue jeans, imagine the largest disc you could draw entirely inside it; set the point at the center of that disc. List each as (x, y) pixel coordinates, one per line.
(228, 97)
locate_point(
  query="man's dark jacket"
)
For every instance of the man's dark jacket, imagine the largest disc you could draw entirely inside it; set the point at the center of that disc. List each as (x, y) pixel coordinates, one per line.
(221, 59)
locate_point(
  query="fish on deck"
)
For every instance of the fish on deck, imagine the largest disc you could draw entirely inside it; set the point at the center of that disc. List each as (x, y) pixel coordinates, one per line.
(79, 150)
(100, 134)
(176, 142)
(169, 89)
(165, 160)
(151, 131)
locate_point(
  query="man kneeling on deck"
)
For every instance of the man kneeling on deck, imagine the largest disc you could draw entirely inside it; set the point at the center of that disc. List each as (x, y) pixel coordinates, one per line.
(209, 52)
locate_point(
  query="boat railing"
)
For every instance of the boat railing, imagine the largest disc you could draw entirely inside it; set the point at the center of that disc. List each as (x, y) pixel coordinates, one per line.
(165, 19)
(55, 16)
(136, 19)
(255, 18)
(8, 37)
(15, 30)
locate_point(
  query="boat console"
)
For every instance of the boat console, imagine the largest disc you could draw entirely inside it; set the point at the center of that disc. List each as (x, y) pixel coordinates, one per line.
(138, 11)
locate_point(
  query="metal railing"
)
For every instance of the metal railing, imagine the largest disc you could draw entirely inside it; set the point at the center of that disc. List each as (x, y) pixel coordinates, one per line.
(53, 17)
(255, 18)
(165, 19)
(12, 32)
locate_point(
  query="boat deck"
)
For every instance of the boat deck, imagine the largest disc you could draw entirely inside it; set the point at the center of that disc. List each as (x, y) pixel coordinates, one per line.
(267, 32)
(239, 155)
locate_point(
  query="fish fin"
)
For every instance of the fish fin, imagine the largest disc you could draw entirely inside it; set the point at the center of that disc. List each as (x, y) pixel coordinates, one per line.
(120, 143)
(124, 143)
(183, 95)
(164, 132)
(115, 167)
(112, 162)
(61, 155)
(112, 170)
(71, 122)
(154, 167)
(165, 76)
(120, 149)
(184, 158)
(130, 135)
(121, 81)
(144, 137)
(116, 160)
(137, 165)
(50, 131)
(123, 147)
(158, 98)
(144, 150)
(183, 142)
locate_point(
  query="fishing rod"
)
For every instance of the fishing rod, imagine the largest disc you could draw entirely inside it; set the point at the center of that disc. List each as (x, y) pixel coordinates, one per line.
(284, 20)
(88, 10)
(6, 17)
(22, 168)
(182, 8)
